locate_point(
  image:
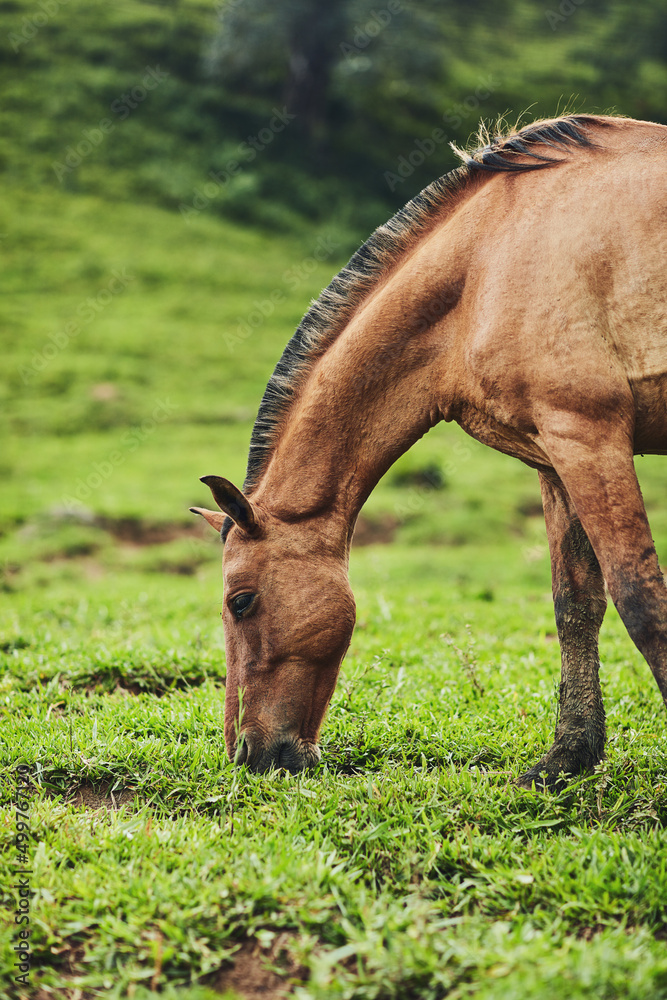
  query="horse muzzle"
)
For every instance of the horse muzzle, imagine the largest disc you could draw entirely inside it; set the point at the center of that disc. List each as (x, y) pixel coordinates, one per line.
(291, 754)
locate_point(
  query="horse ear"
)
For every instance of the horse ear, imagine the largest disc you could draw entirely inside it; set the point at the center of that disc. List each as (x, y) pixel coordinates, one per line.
(214, 517)
(230, 499)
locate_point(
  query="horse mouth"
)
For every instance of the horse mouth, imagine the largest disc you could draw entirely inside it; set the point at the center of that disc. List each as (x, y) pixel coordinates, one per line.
(293, 755)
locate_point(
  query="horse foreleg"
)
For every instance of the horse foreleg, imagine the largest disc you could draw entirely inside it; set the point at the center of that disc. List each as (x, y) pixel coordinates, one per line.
(579, 604)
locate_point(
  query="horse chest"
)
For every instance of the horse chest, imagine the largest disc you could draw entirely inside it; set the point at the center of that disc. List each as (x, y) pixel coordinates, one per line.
(502, 435)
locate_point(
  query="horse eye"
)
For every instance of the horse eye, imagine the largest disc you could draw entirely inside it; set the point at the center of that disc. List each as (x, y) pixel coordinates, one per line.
(241, 604)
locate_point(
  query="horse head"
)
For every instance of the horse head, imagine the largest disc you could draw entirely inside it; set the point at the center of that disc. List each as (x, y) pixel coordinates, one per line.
(288, 616)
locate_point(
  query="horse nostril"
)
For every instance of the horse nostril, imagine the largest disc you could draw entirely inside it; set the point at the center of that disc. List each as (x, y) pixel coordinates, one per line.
(241, 755)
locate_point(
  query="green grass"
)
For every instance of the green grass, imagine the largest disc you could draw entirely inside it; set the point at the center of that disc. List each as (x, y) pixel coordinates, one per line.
(409, 865)
(135, 348)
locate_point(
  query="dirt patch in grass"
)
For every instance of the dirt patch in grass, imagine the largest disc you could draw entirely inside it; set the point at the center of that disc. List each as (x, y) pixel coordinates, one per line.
(134, 531)
(13, 644)
(530, 508)
(101, 797)
(588, 933)
(63, 993)
(250, 977)
(370, 531)
(139, 532)
(67, 960)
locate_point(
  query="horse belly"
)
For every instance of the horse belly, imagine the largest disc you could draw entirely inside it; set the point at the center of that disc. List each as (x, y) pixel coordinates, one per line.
(650, 395)
(637, 323)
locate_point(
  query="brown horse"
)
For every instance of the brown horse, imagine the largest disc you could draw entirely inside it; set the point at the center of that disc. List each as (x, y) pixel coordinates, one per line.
(524, 296)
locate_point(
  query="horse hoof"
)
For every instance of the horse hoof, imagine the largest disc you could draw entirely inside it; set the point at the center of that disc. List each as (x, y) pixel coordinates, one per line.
(557, 768)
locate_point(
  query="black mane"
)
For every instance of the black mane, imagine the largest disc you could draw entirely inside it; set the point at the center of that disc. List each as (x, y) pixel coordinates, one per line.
(517, 151)
(558, 134)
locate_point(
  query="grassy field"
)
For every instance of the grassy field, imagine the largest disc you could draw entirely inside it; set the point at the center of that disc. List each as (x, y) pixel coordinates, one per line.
(135, 351)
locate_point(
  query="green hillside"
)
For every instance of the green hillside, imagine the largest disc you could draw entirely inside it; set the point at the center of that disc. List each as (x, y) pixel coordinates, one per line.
(185, 102)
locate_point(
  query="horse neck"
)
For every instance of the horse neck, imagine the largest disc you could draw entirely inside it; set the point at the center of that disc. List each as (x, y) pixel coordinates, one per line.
(374, 392)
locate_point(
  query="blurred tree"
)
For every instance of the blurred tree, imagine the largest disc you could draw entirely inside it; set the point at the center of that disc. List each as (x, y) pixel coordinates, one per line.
(316, 57)
(312, 33)
(285, 51)
(378, 88)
